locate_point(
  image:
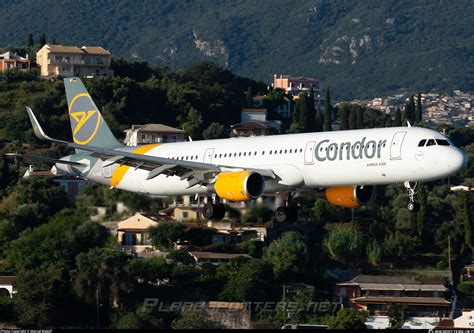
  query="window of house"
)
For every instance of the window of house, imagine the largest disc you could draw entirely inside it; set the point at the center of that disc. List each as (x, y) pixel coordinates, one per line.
(173, 138)
(185, 215)
(153, 138)
(165, 138)
(143, 136)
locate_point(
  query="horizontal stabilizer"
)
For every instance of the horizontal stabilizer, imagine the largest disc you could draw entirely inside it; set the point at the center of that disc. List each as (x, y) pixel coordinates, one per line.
(43, 158)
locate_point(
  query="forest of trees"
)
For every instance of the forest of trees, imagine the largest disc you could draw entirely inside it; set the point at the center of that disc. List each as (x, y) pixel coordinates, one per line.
(70, 272)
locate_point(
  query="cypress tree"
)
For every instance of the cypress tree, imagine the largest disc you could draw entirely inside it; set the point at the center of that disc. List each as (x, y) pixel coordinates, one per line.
(327, 111)
(42, 40)
(311, 125)
(352, 118)
(410, 110)
(303, 117)
(249, 97)
(29, 41)
(360, 117)
(318, 120)
(344, 112)
(398, 118)
(418, 111)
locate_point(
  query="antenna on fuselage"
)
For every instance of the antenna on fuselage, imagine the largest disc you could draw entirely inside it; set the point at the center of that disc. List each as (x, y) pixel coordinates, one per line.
(408, 123)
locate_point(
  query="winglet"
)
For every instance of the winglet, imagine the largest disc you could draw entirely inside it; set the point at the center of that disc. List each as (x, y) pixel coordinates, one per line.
(408, 123)
(37, 128)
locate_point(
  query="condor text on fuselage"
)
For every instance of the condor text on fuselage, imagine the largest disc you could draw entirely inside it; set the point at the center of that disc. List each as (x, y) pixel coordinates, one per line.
(325, 150)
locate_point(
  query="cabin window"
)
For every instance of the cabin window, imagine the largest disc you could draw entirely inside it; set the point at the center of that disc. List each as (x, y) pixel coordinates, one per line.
(286, 151)
(281, 151)
(263, 152)
(422, 143)
(301, 150)
(270, 152)
(240, 154)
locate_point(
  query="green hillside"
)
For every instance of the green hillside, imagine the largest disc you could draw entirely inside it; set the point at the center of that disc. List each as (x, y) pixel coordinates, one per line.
(359, 48)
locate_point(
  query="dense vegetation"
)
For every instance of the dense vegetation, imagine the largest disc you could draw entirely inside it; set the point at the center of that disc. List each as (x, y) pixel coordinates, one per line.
(363, 48)
(70, 272)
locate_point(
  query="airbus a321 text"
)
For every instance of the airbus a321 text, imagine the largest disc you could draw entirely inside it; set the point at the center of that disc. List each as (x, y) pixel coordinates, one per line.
(347, 164)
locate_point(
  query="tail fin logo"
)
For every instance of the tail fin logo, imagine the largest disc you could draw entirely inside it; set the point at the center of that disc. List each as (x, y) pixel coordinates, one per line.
(85, 122)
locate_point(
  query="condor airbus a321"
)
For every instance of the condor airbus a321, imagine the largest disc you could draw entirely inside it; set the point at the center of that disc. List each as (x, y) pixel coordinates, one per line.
(347, 164)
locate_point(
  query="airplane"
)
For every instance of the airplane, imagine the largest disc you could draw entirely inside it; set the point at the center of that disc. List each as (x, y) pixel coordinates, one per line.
(348, 165)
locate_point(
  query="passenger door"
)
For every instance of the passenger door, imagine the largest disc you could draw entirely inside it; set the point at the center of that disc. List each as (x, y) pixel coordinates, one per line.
(309, 153)
(208, 155)
(396, 145)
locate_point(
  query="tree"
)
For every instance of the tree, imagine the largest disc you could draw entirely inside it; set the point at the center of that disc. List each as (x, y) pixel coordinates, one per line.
(352, 118)
(249, 97)
(29, 41)
(166, 233)
(360, 118)
(288, 256)
(150, 270)
(194, 318)
(396, 313)
(252, 282)
(344, 112)
(320, 209)
(302, 105)
(41, 297)
(192, 125)
(374, 253)
(345, 245)
(418, 109)
(318, 120)
(102, 277)
(397, 122)
(42, 40)
(465, 288)
(410, 109)
(348, 318)
(214, 131)
(327, 111)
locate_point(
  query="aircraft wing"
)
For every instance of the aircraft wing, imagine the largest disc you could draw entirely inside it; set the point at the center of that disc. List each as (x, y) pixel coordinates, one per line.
(194, 172)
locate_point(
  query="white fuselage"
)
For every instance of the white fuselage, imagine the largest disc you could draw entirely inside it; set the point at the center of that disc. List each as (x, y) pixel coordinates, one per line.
(301, 161)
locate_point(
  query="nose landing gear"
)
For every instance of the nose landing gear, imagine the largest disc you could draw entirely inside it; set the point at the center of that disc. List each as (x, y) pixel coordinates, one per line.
(412, 205)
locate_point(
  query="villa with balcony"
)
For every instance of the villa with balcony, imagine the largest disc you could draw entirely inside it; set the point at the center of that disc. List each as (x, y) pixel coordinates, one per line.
(67, 61)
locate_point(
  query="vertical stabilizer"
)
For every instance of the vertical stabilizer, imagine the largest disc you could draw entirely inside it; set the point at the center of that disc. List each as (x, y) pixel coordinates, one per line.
(87, 123)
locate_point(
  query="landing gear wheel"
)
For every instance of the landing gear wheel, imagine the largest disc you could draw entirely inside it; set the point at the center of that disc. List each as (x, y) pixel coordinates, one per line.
(281, 214)
(286, 214)
(220, 212)
(212, 211)
(414, 207)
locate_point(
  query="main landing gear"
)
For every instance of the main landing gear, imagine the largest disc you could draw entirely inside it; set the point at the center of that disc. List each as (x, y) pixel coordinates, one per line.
(412, 205)
(213, 211)
(286, 213)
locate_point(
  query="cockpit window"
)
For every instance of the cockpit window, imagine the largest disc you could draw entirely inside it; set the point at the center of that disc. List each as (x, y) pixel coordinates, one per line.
(422, 143)
(431, 142)
(442, 142)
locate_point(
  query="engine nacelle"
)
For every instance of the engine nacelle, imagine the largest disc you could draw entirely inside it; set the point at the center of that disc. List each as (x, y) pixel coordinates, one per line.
(350, 196)
(239, 186)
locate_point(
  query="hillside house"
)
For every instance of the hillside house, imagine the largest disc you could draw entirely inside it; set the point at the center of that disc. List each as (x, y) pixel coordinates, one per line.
(376, 294)
(132, 233)
(10, 60)
(7, 285)
(69, 61)
(152, 133)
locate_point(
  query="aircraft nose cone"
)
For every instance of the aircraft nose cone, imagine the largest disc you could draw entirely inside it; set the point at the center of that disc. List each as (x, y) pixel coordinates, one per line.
(456, 160)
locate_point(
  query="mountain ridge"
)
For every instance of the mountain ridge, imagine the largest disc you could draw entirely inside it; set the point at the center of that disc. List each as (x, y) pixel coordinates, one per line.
(358, 49)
